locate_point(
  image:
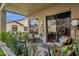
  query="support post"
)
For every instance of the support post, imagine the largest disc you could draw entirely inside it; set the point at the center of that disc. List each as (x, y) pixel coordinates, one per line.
(2, 18)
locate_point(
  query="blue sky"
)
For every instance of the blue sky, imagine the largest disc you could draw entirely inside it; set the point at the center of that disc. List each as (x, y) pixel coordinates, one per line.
(12, 16)
(34, 22)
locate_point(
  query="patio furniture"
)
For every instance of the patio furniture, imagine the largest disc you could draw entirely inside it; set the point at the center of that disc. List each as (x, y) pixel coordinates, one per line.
(61, 43)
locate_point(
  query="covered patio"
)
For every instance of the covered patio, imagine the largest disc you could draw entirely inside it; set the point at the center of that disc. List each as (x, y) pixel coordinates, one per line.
(44, 12)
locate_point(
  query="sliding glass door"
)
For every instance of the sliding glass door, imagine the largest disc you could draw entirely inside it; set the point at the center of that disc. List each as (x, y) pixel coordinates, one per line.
(51, 29)
(57, 26)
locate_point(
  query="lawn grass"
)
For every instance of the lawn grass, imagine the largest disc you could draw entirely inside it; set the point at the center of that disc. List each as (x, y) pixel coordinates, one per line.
(1, 52)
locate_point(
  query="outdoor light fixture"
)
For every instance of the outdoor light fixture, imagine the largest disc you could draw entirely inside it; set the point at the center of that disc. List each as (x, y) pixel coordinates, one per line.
(75, 22)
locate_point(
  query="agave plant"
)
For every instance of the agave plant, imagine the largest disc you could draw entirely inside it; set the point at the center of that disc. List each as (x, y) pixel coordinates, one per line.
(9, 39)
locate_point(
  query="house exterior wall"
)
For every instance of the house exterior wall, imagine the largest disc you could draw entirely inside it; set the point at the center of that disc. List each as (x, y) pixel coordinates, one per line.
(9, 27)
(59, 8)
(20, 27)
(24, 22)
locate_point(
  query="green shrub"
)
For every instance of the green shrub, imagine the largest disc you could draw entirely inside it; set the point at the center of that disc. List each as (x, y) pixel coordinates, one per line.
(9, 39)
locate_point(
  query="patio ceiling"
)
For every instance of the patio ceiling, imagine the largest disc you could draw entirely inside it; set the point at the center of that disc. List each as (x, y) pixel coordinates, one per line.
(27, 8)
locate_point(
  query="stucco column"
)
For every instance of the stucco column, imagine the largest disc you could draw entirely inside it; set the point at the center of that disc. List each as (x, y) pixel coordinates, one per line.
(2, 19)
(45, 31)
(28, 24)
(43, 28)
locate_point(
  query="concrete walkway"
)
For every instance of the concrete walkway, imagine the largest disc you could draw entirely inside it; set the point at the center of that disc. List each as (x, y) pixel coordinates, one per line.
(6, 50)
(41, 49)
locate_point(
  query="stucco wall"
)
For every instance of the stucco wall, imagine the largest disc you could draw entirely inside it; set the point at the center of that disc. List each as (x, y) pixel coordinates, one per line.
(59, 8)
(24, 22)
(9, 27)
(20, 27)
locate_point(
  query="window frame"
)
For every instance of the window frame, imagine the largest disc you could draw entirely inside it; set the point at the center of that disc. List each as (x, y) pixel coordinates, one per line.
(14, 28)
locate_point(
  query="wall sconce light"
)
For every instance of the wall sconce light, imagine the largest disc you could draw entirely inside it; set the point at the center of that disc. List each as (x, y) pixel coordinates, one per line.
(75, 22)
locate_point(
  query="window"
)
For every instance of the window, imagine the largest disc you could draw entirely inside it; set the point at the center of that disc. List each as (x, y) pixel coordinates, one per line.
(14, 28)
(34, 26)
(25, 28)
